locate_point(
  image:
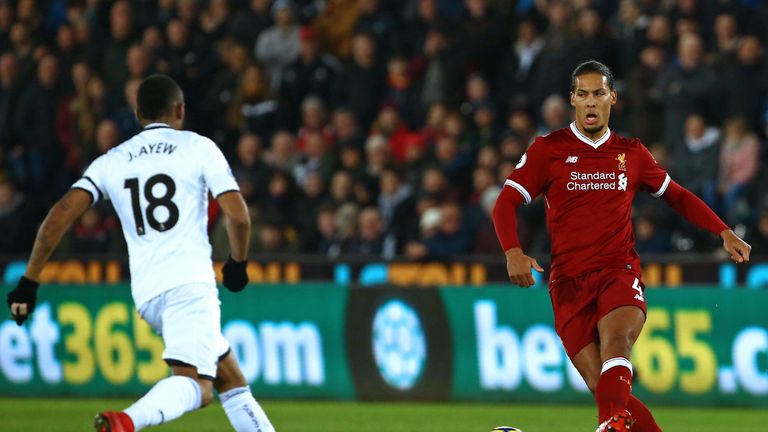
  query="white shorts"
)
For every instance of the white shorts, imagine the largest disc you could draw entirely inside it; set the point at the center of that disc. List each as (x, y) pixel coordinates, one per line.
(189, 320)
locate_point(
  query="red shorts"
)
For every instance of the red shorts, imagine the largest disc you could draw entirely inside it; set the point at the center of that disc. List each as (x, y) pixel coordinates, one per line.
(581, 302)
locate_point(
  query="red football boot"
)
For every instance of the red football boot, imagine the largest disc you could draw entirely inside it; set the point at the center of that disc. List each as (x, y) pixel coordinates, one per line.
(113, 421)
(620, 421)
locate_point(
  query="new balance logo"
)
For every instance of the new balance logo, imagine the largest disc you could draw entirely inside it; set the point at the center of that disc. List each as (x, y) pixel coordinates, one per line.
(572, 159)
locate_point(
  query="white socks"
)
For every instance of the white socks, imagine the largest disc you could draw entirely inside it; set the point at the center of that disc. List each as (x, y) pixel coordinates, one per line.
(244, 412)
(166, 401)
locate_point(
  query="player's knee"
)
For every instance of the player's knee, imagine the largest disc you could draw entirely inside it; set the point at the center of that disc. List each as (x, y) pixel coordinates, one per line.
(616, 344)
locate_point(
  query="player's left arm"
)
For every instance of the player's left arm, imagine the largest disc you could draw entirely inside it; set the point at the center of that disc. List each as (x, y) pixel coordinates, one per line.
(695, 211)
(62, 215)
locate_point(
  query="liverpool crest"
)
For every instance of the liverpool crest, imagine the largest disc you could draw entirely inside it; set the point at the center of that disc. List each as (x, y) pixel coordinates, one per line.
(622, 158)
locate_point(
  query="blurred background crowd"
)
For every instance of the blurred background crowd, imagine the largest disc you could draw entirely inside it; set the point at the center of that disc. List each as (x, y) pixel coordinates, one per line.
(384, 128)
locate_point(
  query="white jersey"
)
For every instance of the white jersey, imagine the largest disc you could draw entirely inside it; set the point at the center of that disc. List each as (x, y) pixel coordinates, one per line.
(158, 182)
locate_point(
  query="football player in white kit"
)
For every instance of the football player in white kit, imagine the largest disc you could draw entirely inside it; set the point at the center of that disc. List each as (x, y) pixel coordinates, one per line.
(158, 182)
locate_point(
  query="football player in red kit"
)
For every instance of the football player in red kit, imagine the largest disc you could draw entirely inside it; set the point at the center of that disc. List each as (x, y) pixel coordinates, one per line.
(589, 176)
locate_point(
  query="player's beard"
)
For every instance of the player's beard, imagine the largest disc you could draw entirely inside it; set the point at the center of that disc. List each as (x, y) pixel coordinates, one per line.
(593, 128)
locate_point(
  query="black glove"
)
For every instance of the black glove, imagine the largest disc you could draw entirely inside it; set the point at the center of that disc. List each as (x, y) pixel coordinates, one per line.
(235, 276)
(25, 292)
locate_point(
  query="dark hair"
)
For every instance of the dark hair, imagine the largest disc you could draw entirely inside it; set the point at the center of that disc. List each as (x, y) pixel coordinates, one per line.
(592, 66)
(157, 95)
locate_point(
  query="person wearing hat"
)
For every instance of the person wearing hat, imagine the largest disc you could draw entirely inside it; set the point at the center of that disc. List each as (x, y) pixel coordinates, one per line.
(278, 46)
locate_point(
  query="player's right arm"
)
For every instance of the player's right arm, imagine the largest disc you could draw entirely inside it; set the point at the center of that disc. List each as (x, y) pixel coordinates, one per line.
(62, 215)
(505, 221)
(220, 181)
(237, 223)
(523, 185)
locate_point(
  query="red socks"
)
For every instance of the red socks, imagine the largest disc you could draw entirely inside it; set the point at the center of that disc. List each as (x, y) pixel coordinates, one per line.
(613, 387)
(644, 421)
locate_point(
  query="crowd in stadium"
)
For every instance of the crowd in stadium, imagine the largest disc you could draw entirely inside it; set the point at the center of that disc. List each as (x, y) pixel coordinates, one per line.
(384, 128)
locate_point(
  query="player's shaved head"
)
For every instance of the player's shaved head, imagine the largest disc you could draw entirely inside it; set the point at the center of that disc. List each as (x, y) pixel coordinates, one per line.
(157, 96)
(592, 66)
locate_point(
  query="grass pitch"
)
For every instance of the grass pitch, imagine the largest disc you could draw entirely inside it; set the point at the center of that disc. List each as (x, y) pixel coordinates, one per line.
(65, 415)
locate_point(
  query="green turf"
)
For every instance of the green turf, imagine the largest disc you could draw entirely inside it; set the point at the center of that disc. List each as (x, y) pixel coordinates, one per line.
(64, 415)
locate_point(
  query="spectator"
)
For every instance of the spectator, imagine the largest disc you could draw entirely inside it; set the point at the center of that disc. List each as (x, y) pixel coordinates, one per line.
(39, 106)
(253, 108)
(402, 91)
(341, 189)
(346, 130)
(370, 239)
(278, 46)
(659, 33)
(276, 238)
(745, 82)
(323, 239)
(726, 37)
(138, 60)
(282, 154)
(312, 73)
(417, 28)
(649, 238)
(335, 26)
(250, 171)
(215, 19)
(16, 221)
(484, 240)
(452, 237)
(372, 19)
(314, 196)
(248, 23)
(643, 98)
(107, 137)
(351, 161)
(697, 157)
(316, 158)
(555, 115)
(686, 87)
(361, 83)
(518, 70)
(396, 206)
(389, 125)
(9, 94)
(555, 62)
(91, 234)
(314, 121)
(121, 25)
(125, 114)
(6, 22)
(483, 37)
(591, 42)
(443, 70)
(377, 155)
(628, 27)
(235, 57)
(739, 164)
(279, 203)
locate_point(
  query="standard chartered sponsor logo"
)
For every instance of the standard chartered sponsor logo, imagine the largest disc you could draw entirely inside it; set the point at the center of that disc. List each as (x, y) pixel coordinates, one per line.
(623, 182)
(592, 181)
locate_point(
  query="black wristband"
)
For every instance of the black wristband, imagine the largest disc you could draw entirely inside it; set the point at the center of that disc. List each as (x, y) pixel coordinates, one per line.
(28, 286)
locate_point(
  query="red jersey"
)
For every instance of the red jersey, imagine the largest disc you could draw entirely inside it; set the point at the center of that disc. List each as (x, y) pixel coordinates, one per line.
(588, 188)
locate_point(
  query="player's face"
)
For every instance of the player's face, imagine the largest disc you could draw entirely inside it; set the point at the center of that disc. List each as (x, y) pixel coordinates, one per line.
(592, 99)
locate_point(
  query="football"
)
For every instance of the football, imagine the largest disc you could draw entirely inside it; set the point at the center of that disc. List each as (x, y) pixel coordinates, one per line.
(506, 429)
